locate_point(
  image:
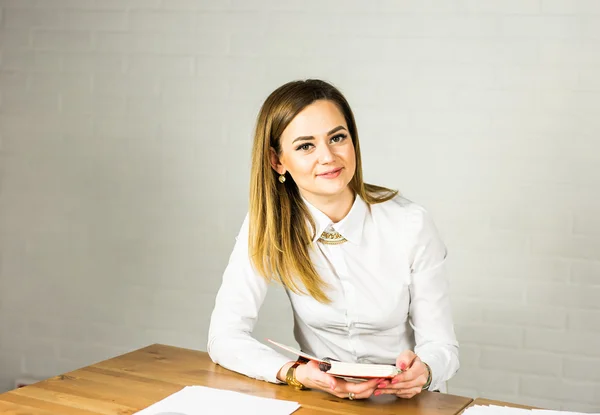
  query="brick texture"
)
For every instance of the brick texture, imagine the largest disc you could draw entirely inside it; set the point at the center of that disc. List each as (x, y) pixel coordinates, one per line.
(125, 133)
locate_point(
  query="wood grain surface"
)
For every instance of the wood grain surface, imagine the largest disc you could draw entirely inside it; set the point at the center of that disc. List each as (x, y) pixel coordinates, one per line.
(131, 382)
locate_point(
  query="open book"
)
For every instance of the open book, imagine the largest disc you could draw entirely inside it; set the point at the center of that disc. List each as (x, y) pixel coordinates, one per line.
(346, 370)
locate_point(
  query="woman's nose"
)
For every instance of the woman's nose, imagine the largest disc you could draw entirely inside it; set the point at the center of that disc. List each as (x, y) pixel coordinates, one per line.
(325, 155)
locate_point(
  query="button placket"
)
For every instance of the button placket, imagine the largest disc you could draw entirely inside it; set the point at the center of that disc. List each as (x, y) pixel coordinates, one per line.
(351, 300)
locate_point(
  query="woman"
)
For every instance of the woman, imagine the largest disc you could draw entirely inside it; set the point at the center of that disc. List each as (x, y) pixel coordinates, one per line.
(362, 266)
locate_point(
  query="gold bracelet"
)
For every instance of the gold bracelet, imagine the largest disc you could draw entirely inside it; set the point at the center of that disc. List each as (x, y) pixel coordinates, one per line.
(290, 378)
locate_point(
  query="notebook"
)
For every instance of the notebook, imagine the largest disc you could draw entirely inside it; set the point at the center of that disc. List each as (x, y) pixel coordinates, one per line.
(359, 371)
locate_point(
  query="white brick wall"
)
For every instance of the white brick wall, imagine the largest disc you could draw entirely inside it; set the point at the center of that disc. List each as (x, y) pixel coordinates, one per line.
(125, 131)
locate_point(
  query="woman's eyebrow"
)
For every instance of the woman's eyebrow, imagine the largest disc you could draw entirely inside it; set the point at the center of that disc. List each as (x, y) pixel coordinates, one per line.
(310, 137)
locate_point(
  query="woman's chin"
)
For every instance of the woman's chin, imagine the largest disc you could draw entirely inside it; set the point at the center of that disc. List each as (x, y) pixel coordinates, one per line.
(333, 191)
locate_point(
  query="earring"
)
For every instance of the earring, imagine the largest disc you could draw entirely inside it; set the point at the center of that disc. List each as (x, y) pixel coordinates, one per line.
(281, 178)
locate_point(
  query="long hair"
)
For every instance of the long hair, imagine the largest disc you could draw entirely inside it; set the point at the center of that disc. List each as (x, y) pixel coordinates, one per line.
(281, 227)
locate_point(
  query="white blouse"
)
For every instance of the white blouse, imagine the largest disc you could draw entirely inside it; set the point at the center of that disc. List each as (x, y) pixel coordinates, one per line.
(388, 289)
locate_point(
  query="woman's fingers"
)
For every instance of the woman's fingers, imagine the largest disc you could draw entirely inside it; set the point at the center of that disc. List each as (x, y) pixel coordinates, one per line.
(409, 363)
(409, 382)
(323, 384)
(400, 391)
(409, 393)
(405, 359)
(405, 385)
(361, 390)
(419, 381)
(362, 387)
(397, 388)
(311, 376)
(416, 373)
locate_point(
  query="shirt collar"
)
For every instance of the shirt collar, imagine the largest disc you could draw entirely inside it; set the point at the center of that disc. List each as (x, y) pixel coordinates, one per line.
(351, 226)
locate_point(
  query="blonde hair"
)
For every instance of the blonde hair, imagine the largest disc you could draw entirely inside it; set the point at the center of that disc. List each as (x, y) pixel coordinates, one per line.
(280, 237)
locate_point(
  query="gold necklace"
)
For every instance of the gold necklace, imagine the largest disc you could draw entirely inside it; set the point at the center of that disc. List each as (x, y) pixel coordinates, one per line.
(331, 238)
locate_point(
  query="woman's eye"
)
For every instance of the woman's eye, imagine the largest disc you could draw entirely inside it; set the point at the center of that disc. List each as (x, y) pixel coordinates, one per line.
(338, 138)
(304, 147)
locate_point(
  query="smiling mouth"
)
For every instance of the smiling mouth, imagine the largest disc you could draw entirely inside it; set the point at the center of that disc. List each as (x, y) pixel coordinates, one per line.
(331, 172)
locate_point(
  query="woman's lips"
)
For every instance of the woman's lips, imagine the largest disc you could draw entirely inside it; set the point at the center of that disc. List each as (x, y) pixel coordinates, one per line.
(332, 174)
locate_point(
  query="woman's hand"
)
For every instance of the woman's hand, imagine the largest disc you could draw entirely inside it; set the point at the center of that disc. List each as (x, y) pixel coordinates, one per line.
(408, 383)
(312, 377)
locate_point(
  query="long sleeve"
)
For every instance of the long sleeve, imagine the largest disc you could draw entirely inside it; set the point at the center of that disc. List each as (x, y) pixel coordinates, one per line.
(242, 292)
(430, 311)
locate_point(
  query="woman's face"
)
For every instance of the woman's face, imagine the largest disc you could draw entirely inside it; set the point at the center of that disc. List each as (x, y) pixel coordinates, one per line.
(317, 151)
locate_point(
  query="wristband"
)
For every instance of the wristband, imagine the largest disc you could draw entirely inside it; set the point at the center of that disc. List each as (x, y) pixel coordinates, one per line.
(428, 383)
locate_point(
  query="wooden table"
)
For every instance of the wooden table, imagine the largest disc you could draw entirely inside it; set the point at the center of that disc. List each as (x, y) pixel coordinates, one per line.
(128, 383)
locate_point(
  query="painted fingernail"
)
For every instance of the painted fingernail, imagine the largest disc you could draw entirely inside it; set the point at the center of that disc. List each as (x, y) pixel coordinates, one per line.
(394, 381)
(402, 366)
(377, 393)
(381, 385)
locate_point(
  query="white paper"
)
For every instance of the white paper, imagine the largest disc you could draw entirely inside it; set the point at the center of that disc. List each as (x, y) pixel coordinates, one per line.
(506, 410)
(196, 400)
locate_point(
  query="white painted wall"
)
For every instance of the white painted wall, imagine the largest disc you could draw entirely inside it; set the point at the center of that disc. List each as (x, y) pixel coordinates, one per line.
(125, 131)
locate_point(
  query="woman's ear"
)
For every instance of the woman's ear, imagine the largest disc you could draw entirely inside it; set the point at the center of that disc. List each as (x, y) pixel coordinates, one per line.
(276, 162)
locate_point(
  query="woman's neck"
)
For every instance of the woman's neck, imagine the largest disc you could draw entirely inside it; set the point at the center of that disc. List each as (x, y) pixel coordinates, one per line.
(335, 207)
